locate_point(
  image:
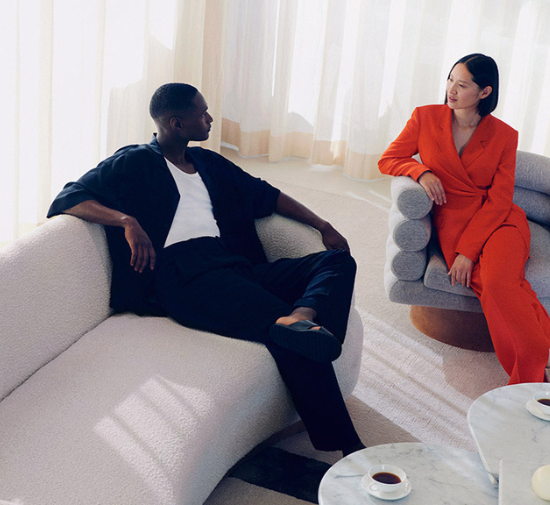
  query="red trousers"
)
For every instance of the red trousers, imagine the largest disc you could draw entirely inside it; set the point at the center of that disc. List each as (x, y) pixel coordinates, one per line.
(518, 323)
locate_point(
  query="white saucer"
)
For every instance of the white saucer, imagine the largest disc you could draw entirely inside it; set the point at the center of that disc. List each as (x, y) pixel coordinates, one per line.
(532, 407)
(370, 487)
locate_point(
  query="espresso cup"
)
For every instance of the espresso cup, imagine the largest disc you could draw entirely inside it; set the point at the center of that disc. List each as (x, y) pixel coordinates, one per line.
(542, 401)
(387, 478)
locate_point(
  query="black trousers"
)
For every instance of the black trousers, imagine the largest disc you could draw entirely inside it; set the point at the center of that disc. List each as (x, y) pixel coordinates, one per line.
(202, 285)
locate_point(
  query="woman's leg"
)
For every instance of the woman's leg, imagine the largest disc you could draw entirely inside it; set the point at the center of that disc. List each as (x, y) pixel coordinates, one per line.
(518, 323)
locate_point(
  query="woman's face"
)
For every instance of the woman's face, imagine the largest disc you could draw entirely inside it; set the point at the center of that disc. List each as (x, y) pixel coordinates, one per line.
(462, 91)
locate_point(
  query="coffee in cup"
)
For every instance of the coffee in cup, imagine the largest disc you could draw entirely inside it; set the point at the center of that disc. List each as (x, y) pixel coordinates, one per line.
(542, 400)
(387, 478)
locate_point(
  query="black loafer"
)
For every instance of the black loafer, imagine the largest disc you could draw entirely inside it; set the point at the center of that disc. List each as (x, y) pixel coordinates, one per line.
(317, 345)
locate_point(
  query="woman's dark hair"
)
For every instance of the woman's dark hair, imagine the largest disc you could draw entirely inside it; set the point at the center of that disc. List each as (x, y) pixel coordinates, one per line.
(484, 72)
(170, 98)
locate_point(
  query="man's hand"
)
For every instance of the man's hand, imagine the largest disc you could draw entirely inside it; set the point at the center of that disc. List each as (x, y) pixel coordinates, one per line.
(332, 239)
(143, 252)
(433, 187)
(461, 271)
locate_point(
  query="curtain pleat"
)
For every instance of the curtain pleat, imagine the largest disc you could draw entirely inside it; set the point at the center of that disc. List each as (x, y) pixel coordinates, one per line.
(332, 81)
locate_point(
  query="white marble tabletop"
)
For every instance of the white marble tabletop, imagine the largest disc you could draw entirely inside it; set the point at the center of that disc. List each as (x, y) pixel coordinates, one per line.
(504, 429)
(438, 476)
(515, 486)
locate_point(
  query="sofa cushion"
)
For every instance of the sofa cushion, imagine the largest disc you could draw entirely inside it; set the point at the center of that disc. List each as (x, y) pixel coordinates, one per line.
(533, 172)
(55, 287)
(148, 412)
(436, 276)
(535, 204)
(537, 269)
(143, 410)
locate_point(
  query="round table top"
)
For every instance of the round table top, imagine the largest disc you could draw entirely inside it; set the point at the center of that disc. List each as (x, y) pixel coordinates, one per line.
(437, 474)
(504, 428)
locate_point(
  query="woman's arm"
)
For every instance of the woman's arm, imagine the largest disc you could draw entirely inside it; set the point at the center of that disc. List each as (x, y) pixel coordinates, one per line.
(398, 160)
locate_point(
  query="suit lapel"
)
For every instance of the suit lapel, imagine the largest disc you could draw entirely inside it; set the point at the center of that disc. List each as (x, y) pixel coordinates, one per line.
(446, 143)
(479, 140)
(460, 166)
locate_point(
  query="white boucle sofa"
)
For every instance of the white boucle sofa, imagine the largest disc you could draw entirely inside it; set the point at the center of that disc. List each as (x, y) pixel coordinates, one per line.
(119, 409)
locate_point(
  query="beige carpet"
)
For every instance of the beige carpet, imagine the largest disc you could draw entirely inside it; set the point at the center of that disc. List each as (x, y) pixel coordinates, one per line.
(411, 388)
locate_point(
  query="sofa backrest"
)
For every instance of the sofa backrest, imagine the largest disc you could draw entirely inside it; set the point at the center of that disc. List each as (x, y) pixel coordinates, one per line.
(532, 186)
(54, 287)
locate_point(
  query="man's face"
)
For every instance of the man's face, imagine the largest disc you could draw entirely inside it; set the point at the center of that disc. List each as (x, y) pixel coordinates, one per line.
(195, 123)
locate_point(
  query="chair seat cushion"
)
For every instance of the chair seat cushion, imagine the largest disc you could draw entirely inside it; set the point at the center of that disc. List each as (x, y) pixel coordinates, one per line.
(537, 270)
(535, 204)
(139, 410)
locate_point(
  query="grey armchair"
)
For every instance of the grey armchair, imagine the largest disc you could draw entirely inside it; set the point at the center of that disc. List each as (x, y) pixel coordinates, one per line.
(416, 273)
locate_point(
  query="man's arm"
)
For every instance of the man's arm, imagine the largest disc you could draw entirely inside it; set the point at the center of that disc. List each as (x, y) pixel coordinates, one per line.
(288, 207)
(143, 252)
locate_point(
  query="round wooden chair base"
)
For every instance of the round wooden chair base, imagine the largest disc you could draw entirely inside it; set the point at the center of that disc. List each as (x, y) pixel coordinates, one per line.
(467, 330)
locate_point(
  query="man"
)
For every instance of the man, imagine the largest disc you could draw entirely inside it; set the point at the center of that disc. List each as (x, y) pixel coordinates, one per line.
(180, 228)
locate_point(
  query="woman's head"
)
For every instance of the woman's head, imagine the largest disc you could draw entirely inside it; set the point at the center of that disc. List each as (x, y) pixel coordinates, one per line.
(484, 73)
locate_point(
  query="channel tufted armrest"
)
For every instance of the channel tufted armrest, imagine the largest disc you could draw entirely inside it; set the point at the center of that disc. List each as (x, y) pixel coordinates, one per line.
(410, 197)
(410, 229)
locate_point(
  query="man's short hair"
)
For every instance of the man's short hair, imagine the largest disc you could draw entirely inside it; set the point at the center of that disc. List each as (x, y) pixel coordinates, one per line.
(170, 98)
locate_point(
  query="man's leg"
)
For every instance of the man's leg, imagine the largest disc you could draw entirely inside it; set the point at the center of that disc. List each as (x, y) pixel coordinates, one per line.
(322, 282)
(318, 400)
(229, 301)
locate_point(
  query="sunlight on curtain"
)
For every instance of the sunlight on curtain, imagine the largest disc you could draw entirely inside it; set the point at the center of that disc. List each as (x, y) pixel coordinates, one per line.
(77, 79)
(343, 76)
(333, 81)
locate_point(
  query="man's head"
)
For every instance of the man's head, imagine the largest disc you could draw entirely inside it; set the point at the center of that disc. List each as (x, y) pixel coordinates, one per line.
(180, 109)
(171, 98)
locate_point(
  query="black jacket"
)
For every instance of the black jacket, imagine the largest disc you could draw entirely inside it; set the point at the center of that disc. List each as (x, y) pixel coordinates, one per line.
(137, 181)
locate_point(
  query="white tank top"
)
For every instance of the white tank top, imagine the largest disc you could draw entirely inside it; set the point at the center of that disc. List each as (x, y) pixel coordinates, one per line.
(194, 216)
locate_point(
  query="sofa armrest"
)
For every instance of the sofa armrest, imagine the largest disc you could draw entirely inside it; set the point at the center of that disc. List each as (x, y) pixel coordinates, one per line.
(282, 237)
(410, 197)
(410, 229)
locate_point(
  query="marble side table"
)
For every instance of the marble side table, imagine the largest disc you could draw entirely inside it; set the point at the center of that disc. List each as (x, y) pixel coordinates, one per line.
(504, 429)
(438, 476)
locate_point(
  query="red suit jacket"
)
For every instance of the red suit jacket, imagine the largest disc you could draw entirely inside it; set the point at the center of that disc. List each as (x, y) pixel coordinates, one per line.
(479, 185)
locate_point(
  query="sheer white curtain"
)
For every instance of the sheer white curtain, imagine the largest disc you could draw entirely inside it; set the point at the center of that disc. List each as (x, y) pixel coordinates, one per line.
(329, 80)
(336, 80)
(77, 76)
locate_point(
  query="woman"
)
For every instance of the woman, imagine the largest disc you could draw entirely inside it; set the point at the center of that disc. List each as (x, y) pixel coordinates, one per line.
(468, 168)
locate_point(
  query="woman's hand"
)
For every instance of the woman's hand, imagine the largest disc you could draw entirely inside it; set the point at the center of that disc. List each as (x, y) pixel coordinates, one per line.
(461, 271)
(433, 187)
